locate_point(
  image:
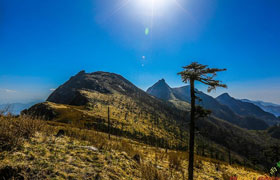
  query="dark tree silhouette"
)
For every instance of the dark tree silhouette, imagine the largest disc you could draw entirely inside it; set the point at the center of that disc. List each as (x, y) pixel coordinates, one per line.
(229, 156)
(198, 72)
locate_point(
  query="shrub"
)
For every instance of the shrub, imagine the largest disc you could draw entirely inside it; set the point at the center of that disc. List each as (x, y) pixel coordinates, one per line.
(129, 149)
(29, 126)
(149, 172)
(13, 130)
(175, 160)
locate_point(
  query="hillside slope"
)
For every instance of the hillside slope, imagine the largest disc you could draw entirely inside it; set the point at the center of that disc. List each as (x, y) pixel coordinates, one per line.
(246, 109)
(48, 157)
(83, 102)
(266, 106)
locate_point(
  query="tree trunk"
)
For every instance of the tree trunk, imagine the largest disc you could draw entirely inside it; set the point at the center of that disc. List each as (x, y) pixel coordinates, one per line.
(229, 156)
(192, 125)
(109, 123)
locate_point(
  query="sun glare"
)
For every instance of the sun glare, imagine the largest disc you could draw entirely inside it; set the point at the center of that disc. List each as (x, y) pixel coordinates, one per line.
(153, 5)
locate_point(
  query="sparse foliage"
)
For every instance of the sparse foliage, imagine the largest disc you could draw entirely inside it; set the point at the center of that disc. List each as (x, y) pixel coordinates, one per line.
(175, 161)
(149, 172)
(13, 130)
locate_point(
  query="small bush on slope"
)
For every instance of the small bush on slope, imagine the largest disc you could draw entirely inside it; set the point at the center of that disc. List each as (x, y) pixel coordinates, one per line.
(13, 130)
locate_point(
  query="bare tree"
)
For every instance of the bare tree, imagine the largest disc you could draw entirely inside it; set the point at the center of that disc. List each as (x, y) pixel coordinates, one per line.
(190, 74)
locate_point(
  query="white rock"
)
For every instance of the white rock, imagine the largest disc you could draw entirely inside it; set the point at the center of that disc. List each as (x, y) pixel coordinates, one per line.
(89, 148)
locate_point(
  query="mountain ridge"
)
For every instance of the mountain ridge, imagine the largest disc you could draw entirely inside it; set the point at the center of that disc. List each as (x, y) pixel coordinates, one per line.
(182, 94)
(266, 106)
(246, 108)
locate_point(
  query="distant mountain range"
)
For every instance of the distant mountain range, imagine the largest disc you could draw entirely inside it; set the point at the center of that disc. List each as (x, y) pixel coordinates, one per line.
(16, 108)
(244, 114)
(266, 106)
(246, 109)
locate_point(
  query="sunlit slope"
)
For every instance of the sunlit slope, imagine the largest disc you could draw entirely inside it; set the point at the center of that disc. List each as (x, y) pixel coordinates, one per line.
(68, 157)
(126, 119)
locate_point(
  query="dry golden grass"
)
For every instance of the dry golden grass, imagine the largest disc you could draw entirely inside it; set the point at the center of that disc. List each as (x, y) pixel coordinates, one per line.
(14, 130)
(44, 156)
(150, 172)
(175, 160)
(137, 121)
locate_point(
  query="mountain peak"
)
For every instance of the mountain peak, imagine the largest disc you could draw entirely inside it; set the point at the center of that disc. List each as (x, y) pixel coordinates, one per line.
(81, 72)
(162, 80)
(225, 95)
(101, 82)
(161, 84)
(161, 90)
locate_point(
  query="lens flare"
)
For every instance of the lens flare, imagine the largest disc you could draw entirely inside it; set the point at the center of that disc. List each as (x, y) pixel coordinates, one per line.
(147, 31)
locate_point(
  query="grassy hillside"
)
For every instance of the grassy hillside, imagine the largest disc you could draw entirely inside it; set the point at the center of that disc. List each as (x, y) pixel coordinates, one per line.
(88, 154)
(214, 139)
(126, 119)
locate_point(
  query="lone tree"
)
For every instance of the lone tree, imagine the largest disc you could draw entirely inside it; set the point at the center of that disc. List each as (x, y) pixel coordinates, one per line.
(198, 72)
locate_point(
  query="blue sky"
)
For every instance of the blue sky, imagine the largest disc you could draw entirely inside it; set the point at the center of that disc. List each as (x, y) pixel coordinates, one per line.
(43, 43)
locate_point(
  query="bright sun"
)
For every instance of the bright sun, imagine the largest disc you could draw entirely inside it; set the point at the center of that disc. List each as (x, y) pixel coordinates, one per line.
(153, 5)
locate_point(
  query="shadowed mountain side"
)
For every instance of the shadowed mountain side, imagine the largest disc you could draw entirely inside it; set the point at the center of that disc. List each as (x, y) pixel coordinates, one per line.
(163, 91)
(246, 109)
(274, 131)
(237, 139)
(182, 94)
(266, 106)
